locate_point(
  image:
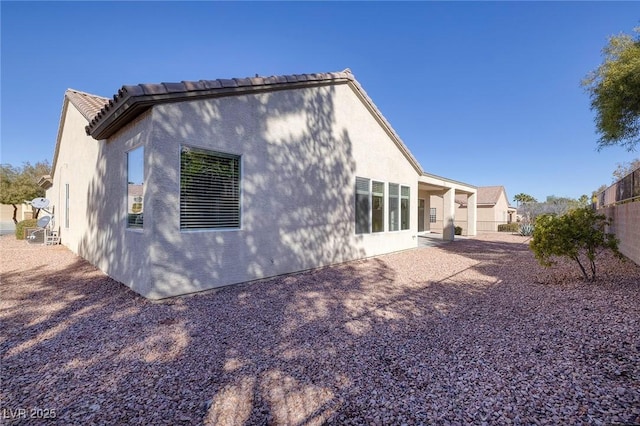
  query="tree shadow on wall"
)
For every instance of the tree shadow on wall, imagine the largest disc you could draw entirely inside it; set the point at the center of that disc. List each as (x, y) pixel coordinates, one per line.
(297, 190)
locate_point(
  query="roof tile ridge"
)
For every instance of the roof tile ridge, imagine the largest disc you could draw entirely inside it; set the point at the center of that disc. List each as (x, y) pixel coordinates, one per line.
(125, 91)
(168, 88)
(129, 89)
(257, 80)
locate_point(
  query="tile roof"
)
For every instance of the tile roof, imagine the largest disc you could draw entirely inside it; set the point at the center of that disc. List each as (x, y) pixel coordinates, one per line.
(132, 100)
(107, 115)
(88, 105)
(489, 194)
(135, 189)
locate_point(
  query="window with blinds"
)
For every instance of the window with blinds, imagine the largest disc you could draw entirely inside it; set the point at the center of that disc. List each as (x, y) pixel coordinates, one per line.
(363, 206)
(209, 189)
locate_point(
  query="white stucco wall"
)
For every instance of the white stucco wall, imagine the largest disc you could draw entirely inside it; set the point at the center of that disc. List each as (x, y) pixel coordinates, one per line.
(501, 209)
(121, 252)
(96, 174)
(75, 166)
(301, 152)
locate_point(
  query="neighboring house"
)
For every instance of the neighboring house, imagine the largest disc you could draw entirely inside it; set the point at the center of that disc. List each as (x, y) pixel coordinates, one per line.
(493, 209)
(240, 179)
(22, 211)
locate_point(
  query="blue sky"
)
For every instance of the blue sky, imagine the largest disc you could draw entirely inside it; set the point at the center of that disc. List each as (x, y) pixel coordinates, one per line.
(484, 93)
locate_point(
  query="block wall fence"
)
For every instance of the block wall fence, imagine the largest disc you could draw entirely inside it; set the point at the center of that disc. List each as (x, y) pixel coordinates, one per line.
(626, 226)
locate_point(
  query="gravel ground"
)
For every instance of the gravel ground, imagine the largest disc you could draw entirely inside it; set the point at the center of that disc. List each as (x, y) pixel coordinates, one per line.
(471, 332)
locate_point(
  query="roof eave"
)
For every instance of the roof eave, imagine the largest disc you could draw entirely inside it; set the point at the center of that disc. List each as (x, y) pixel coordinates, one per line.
(117, 118)
(45, 182)
(56, 151)
(431, 175)
(108, 122)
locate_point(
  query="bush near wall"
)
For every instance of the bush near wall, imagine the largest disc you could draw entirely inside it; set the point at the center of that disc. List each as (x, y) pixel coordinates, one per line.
(29, 223)
(509, 227)
(458, 230)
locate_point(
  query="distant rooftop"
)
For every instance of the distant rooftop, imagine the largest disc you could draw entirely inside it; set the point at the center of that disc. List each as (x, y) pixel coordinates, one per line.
(487, 195)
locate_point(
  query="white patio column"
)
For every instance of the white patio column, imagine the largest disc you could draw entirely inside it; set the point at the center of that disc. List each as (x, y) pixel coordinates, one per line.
(427, 211)
(472, 214)
(449, 214)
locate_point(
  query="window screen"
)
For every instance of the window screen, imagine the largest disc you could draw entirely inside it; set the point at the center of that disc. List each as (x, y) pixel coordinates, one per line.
(405, 205)
(394, 209)
(363, 206)
(377, 212)
(209, 189)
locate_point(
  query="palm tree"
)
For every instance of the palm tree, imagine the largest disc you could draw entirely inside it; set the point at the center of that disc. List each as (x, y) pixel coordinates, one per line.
(522, 198)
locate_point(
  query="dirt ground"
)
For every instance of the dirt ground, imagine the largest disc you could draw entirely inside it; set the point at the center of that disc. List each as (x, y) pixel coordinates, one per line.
(470, 332)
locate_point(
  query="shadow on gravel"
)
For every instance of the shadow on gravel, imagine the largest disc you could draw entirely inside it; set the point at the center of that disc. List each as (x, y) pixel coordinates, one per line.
(356, 343)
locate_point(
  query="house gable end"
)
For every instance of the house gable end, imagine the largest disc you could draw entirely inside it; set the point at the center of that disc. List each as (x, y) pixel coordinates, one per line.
(132, 100)
(86, 104)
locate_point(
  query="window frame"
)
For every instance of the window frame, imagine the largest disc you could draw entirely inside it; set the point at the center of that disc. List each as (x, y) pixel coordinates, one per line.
(392, 201)
(239, 159)
(405, 226)
(394, 206)
(362, 228)
(66, 206)
(381, 208)
(140, 216)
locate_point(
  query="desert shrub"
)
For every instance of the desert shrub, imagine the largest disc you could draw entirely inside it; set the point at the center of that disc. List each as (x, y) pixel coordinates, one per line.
(508, 227)
(20, 226)
(526, 229)
(458, 230)
(578, 235)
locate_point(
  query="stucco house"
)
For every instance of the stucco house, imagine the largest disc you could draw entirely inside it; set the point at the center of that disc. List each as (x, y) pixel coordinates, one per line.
(175, 188)
(493, 209)
(22, 211)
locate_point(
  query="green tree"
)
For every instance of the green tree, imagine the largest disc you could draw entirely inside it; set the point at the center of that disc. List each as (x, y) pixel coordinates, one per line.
(614, 88)
(579, 235)
(625, 168)
(594, 194)
(584, 200)
(522, 198)
(552, 205)
(621, 171)
(20, 184)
